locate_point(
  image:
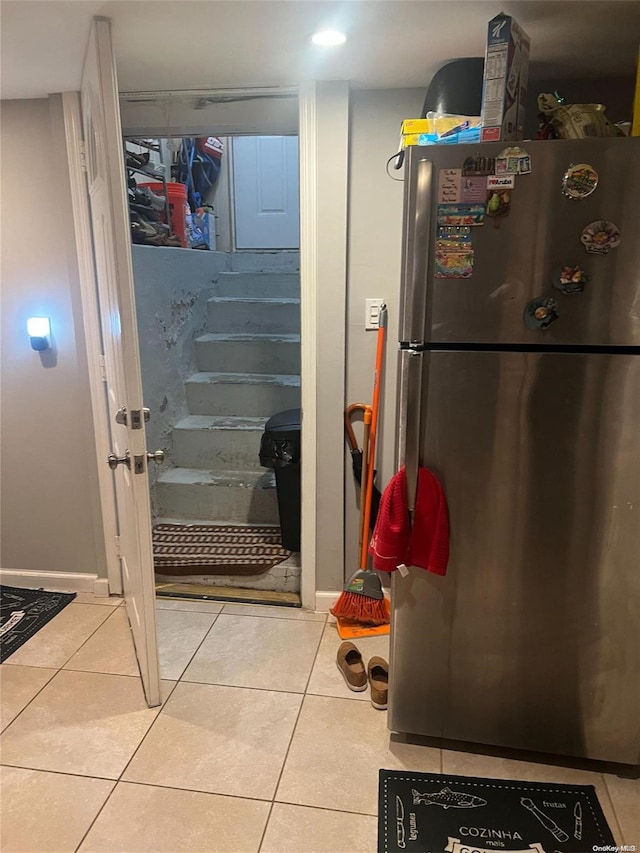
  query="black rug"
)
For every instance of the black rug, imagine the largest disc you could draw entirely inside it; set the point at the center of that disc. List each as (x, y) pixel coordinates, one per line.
(432, 813)
(23, 612)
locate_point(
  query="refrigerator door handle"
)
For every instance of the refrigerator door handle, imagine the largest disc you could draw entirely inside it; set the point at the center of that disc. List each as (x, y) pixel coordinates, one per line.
(410, 382)
(416, 245)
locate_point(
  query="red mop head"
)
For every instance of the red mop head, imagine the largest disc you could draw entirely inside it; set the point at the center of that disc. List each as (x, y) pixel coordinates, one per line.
(362, 609)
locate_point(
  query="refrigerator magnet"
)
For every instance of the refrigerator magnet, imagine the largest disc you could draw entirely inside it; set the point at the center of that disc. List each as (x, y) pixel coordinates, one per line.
(513, 161)
(454, 264)
(600, 236)
(449, 181)
(474, 189)
(479, 165)
(579, 181)
(498, 204)
(460, 215)
(540, 313)
(570, 279)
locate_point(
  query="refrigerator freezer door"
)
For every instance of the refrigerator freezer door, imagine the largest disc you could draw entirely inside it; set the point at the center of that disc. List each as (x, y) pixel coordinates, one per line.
(532, 639)
(516, 262)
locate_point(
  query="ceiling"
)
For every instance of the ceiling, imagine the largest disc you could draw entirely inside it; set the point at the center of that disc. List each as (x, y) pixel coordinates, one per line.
(195, 44)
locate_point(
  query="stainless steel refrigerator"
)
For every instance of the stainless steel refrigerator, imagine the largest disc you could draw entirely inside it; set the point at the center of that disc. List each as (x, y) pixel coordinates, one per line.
(532, 639)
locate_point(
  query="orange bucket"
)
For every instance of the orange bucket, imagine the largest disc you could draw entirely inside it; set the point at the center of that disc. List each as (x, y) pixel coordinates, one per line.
(178, 207)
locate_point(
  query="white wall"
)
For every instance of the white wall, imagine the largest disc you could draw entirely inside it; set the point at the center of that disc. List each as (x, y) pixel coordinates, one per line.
(374, 241)
(50, 517)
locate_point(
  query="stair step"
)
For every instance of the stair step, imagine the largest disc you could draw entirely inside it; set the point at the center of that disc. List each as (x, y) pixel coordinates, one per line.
(242, 394)
(224, 495)
(254, 314)
(251, 353)
(270, 285)
(208, 441)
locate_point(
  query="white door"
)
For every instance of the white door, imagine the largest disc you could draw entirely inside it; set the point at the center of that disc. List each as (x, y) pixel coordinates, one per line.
(266, 194)
(109, 219)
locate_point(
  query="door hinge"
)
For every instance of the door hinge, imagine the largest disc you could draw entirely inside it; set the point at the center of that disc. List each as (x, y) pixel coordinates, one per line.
(82, 150)
(118, 549)
(103, 368)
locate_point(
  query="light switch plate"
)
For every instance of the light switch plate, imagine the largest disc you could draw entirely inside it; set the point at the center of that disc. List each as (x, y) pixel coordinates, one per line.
(372, 313)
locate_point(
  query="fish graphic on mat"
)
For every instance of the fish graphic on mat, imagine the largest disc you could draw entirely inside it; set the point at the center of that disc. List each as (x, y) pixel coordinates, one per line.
(448, 799)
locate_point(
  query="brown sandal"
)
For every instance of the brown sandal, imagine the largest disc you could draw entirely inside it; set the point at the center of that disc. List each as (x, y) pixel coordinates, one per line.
(378, 675)
(349, 662)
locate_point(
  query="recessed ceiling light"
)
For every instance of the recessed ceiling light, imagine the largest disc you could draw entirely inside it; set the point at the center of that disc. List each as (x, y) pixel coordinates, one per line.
(328, 38)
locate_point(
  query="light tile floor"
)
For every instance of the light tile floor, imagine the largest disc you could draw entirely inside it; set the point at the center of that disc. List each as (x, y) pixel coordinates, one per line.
(259, 746)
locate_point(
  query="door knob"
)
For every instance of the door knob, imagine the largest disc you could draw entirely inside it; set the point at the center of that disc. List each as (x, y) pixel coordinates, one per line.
(113, 460)
(157, 457)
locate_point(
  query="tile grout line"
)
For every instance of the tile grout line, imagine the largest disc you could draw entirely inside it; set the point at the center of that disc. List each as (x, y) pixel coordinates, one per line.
(162, 706)
(58, 669)
(104, 621)
(22, 710)
(165, 787)
(135, 752)
(199, 646)
(613, 808)
(293, 731)
(99, 812)
(242, 687)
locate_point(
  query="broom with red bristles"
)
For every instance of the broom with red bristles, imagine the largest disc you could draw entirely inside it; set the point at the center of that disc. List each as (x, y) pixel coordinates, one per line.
(362, 599)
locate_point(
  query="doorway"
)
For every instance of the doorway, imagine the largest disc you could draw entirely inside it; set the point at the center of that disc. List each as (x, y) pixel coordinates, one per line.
(215, 246)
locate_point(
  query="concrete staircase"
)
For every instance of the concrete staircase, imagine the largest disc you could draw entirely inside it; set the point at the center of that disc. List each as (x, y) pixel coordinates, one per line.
(248, 369)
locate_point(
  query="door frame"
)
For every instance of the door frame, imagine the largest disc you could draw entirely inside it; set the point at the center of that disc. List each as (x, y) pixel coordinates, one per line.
(310, 332)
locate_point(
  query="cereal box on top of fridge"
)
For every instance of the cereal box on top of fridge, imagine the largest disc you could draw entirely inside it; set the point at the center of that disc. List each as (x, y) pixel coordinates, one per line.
(506, 71)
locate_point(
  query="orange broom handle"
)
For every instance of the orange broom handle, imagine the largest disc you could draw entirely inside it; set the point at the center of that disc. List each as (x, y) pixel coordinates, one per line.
(363, 476)
(372, 437)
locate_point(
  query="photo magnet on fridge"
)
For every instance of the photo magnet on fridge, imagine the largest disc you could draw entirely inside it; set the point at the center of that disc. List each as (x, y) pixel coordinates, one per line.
(513, 161)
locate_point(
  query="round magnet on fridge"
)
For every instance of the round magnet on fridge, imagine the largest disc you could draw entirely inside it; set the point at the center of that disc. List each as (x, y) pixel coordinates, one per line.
(540, 313)
(570, 279)
(579, 181)
(600, 236)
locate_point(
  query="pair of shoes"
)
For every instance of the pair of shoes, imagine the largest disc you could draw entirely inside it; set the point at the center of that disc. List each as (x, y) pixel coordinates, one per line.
(351, 666)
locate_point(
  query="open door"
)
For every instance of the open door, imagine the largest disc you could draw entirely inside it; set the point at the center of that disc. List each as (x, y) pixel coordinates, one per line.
(114, 277)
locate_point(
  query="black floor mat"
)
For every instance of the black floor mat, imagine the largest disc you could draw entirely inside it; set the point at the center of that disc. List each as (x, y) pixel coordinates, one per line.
(432, 813)
(23, 612)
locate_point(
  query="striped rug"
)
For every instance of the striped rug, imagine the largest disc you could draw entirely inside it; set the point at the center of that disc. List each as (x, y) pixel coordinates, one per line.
(232, 549)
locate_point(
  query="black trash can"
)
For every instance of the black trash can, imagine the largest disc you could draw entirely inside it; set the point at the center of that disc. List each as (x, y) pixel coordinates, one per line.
(280, 450)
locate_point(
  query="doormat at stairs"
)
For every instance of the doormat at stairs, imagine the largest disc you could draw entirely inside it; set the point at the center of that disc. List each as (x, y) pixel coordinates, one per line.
(23, 612)
(234, 549)
(432, 813)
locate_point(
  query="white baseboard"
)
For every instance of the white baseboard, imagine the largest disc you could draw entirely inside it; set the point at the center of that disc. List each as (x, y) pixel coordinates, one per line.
(101, 587)
(56, 581)
(325, 600)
